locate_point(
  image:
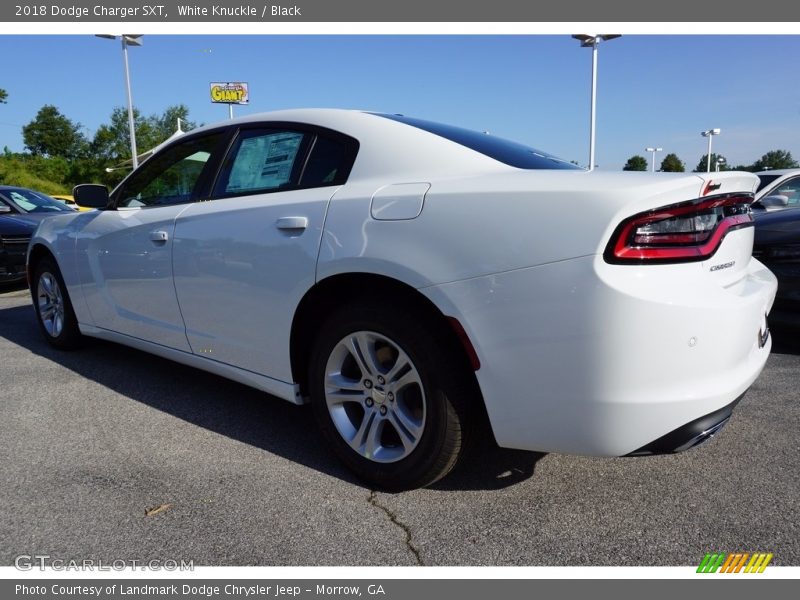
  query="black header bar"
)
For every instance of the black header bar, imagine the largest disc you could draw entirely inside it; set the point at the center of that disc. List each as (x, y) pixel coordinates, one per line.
(711, 13)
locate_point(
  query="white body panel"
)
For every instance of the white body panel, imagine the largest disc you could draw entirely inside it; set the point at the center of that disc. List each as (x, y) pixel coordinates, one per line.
(577, 355)
(238, 296)
(126, 275)
(574, 358)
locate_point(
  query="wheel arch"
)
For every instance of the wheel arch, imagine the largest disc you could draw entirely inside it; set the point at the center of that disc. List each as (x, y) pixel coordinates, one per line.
(327, 295)
(37, 252)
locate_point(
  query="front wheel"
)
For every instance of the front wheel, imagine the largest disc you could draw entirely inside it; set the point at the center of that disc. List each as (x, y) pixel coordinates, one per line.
(390, 397)
(53, 308)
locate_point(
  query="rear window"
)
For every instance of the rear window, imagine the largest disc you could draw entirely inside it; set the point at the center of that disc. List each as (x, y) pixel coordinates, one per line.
(505, 151)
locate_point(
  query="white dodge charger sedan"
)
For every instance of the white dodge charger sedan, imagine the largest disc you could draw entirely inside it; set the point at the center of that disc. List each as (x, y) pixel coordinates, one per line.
(409, 279)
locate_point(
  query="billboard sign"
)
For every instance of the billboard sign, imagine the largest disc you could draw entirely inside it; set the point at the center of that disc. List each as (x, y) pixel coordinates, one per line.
(230, 92)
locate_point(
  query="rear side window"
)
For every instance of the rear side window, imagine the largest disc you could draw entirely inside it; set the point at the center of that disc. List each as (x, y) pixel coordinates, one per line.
(505, 151)
(273, 159)
(326, 164)
(263, 160)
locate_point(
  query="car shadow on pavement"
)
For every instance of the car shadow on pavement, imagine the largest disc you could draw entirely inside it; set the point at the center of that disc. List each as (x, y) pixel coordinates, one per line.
(486, 466)
(237, 411)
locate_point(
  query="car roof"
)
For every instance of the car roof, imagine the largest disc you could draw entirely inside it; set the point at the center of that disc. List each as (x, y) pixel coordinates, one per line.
(377, 136)
(13, 188)
(779, 172)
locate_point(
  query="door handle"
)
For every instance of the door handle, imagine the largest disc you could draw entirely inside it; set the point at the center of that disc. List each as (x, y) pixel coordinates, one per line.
(292, 223)
(159, 236)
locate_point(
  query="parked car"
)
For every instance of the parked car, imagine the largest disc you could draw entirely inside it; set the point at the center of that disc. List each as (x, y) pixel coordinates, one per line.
(777, 245)
(778, 189)
(21, 210)
(777, 237)
(15, 233)
(407, 277)
(21, 200)
(69, 201)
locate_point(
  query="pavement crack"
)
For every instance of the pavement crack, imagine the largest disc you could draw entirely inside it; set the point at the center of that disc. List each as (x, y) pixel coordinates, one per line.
(373, 500)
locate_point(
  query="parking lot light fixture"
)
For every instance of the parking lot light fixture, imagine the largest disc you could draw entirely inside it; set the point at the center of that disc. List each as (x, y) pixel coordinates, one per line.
(592, 41)
(128, 39)
(710, 133)
(653, 150)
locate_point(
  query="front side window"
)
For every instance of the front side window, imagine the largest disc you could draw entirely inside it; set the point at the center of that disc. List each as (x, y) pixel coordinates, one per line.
(170, 177)
(790, 189)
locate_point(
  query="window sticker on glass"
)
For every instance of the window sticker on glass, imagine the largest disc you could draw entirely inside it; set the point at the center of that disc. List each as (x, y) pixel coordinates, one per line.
(264, 162)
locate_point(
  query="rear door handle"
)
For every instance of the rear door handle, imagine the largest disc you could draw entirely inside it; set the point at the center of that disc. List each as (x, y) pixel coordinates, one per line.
(292, 223)
(159, 236)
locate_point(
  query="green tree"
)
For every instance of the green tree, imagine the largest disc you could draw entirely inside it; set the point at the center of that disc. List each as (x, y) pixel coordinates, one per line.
(111, 144)
(775, 159)
(703, 164)
(636, 163)
(52, 134)
(3, 96)
(112, 141)
(672, 164)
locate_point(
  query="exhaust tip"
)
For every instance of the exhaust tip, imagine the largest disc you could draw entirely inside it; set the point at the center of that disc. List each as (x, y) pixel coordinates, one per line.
(690, 435)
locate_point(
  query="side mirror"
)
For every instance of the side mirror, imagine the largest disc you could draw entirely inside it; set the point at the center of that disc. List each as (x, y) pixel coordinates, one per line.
(90, 195)
(4, 208)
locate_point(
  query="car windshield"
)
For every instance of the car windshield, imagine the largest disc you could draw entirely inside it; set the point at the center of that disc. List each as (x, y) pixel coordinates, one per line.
(35, 202)
(511, 153)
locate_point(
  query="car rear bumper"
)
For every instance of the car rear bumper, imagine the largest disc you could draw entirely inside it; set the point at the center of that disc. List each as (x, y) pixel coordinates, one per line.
(690, 435)
(582, 357)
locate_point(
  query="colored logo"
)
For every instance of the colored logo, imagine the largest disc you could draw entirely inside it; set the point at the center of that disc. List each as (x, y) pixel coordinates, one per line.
(739, 562)
(230, 93)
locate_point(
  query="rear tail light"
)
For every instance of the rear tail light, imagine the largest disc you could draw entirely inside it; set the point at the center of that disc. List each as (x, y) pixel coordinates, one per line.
(685, 232)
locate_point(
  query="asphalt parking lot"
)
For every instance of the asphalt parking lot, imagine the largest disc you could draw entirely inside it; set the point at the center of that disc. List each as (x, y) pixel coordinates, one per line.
(93, 439)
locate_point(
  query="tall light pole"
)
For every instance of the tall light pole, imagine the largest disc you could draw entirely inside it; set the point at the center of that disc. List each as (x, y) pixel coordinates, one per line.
(128, 39)
(592, 41)
(653, 150)
(709, 134)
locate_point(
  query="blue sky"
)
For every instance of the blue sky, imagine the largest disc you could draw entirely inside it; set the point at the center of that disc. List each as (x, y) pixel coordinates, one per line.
(653, 89)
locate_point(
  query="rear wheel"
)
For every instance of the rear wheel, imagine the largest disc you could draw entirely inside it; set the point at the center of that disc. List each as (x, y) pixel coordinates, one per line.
(388, 396)
(53, 307)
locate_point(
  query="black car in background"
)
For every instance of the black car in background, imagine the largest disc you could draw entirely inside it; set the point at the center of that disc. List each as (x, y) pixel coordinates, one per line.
(15, 233)
(777, 245)
(21, 210)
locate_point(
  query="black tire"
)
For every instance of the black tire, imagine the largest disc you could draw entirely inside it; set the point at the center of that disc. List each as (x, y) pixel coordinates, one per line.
(46, 285)
(440, 397)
